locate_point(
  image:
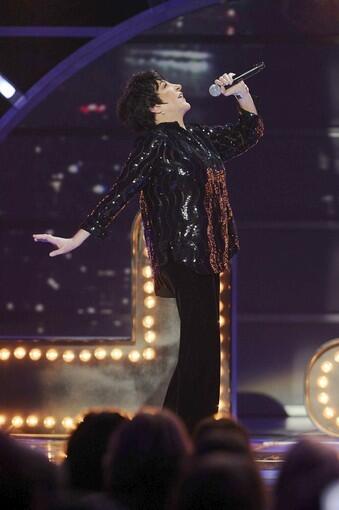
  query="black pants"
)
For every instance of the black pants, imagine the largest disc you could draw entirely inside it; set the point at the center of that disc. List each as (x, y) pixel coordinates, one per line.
(193, 392)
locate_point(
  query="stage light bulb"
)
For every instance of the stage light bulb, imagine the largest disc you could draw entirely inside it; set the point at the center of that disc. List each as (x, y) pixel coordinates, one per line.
(149, 302)
(5, 354)
(149, 287)
(35, 354)
(100, 353)
(32, 420)
(221, 320)
(222, 371)
(20, 352)
(134, 356)
(116, 354)
(147, 271)
(148, 321)
(149, 353)
(323, 398)
(68, 356)
(328, 413)
(6, 88)
(85, 355)
(222, 405)
(222, 355)
(17, 422)
(221, 287)
(52, 354)
(322, 381)
(3, 419)
(150, 336)
(222, 337)
(49, 422)
(68, 423)
(326, 367)
(221, 306)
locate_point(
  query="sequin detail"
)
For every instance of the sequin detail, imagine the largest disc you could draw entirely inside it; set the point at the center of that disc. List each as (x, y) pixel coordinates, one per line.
(181, 178)
(216, 206)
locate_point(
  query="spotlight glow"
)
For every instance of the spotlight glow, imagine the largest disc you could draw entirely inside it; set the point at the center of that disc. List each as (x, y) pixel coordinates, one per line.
(6, 88)
(52, 354)
(49, 422)
(328, 413)
(32, 420)
(323, 398)
(35, 354)
(326, 367)
(148, 321)
(85, 355)
(20, 352)
(68, 356)
(3, 419)
(147, 271)
(149, 302)
(149, 287)
(116, 354)
(5, 354)
(150, 336)
(134, 356)
(67, 423)
(148, 353)
(322, 381)
(17, 422)
(100, 353)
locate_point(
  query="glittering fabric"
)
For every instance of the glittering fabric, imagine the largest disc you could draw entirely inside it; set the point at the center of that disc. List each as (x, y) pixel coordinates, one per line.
(184, 204)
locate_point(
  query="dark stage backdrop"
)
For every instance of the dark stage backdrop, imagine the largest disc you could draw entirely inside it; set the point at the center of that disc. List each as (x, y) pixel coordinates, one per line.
(67, 153)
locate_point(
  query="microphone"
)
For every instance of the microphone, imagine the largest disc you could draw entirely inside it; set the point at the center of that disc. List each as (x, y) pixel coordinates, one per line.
(215, 90)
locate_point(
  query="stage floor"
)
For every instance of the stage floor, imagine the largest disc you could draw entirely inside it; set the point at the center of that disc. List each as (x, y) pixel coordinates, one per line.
(270, 441)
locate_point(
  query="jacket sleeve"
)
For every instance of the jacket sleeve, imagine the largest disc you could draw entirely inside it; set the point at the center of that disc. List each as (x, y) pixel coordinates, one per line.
(231, 140)
(132, 179)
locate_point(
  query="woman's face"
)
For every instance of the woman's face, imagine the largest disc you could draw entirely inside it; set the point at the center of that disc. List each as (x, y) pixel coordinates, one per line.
(172, 97)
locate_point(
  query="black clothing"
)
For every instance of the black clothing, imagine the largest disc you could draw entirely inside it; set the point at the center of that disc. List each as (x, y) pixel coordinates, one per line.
(193, 392)
(184, 201)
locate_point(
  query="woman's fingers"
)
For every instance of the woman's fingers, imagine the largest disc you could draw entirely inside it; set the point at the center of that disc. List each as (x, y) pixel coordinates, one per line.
(225, 79)
(43, 237)
(56, 252)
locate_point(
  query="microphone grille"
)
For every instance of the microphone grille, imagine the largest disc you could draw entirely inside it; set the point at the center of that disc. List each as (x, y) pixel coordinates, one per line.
(214, 90)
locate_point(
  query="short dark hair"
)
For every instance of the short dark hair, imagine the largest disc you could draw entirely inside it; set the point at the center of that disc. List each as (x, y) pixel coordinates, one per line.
(138, 96)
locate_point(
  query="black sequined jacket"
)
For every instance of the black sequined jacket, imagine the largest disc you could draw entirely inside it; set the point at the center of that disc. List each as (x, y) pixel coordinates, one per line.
(184, 203)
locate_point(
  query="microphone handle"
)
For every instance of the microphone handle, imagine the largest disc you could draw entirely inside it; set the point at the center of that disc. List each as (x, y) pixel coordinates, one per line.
(248, 74)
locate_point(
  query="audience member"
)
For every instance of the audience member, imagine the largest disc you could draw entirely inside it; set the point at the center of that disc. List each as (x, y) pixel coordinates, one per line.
(308, 469)
(28, 481)
(86, 448)
(220, 481)
(144, 459)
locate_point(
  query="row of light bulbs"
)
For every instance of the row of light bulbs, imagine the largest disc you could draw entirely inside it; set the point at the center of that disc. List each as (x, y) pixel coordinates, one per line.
(326, 367)
(48, 422)
(148, 321)
(222, 321)
(85, 355)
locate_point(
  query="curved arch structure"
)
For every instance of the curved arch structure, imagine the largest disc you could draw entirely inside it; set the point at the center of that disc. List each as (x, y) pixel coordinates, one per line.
(91, 51)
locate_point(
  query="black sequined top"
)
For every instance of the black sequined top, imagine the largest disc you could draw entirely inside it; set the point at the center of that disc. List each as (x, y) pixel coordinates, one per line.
(184, 203)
